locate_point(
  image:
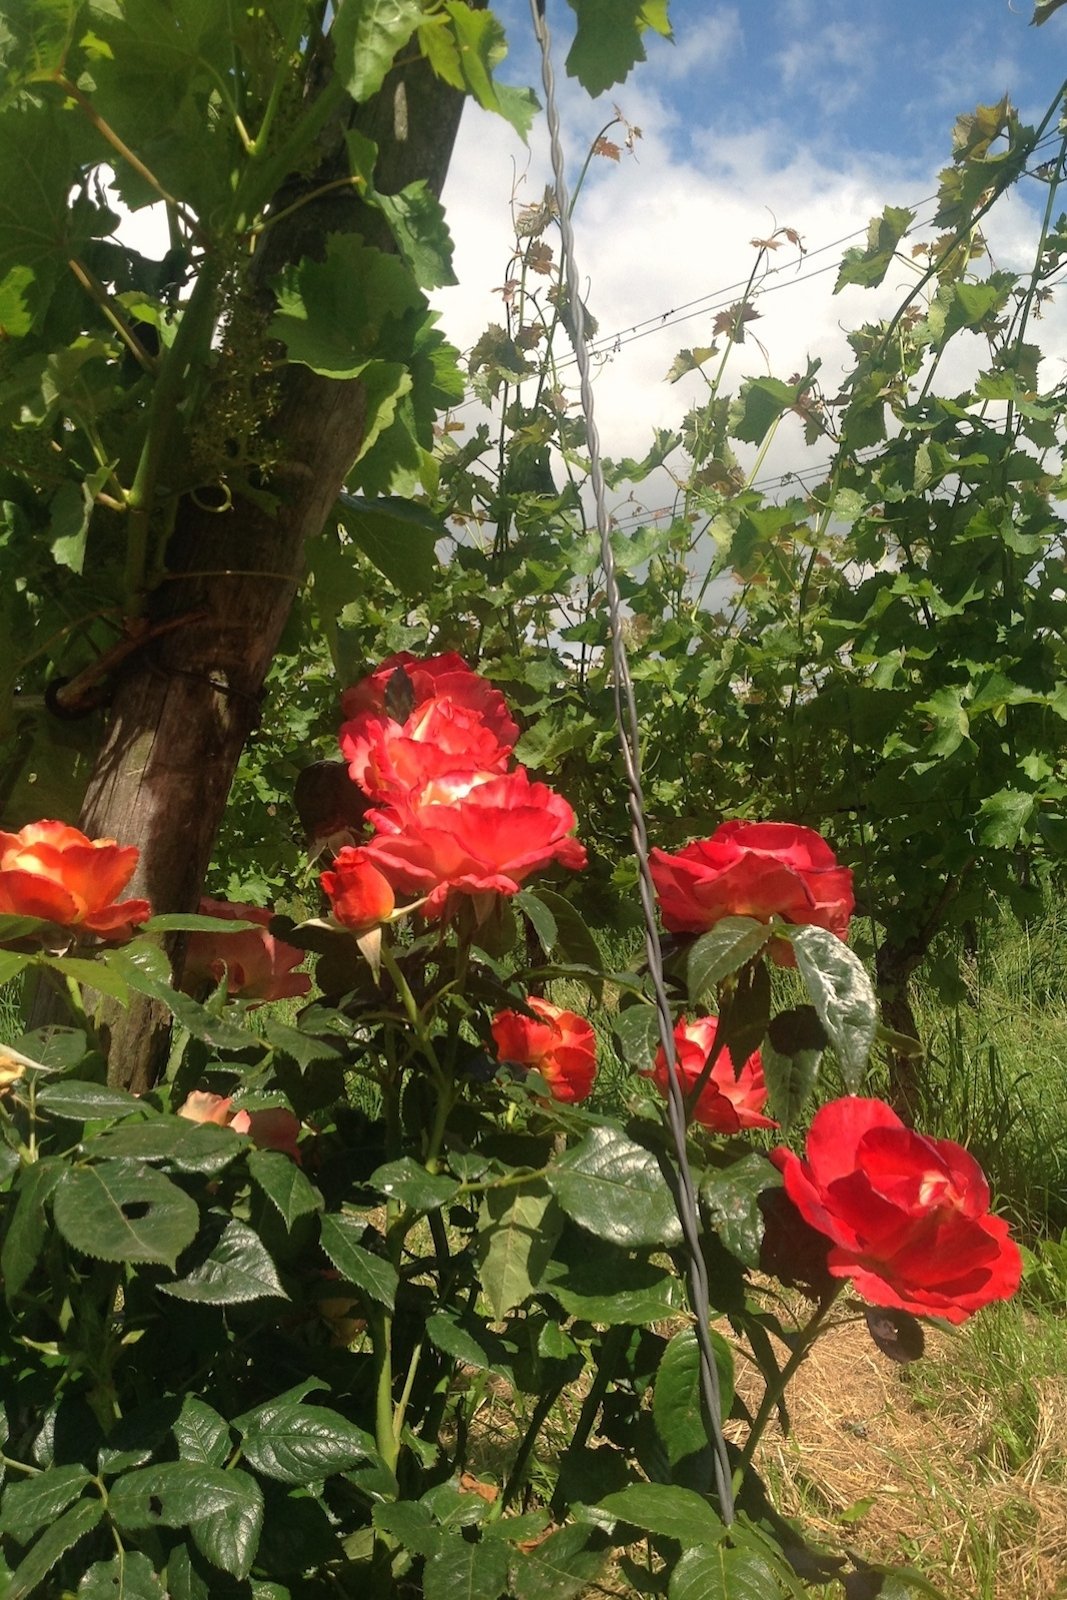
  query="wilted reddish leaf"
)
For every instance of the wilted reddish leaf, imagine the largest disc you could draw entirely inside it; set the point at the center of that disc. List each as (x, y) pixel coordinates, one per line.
(539, 256)
(731, 322)
(766, 244)
(605, 147)
(794, 238)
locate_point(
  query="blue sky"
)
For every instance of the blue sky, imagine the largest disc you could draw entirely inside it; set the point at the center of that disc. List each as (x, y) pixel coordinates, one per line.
(812, 114)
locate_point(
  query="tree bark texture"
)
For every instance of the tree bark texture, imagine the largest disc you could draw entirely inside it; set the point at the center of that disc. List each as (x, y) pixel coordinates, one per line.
(183, 707)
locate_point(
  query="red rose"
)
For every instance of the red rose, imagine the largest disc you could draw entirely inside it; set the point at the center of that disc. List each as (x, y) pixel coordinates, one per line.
(257, 966)
(472, 833)
(907, 1216)
(560, 1045)
(730, 1099)
(754, 869)
(360, 897)
(445, 677)
(53, 871)
(389, 759)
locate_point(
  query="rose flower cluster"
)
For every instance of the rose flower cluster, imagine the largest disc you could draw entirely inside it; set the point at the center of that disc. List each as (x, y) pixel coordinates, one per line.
(904, 1217)
(431, 743)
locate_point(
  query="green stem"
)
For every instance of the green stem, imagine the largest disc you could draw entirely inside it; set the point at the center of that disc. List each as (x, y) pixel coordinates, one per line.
(774, 1391)
(191, 344)
(381, 1325)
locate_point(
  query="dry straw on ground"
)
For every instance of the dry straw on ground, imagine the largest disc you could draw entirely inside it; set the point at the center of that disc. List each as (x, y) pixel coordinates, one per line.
(865, 1464)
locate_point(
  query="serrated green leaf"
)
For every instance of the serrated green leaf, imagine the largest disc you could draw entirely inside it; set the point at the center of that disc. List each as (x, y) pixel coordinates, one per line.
(843, 996)
(867, 267)
(791, 1053)
(88, 1102)
(303, 1048)
(146, 969)
(616, 1190)
(413, 1186)
(479, 45)
(517, 1231)
(28, 1505)
(731, 1195)
(723, 1574)
(12, 962)
(238, 1268)
(286, 1187)
(95, 973)
(365, 37)
(411, 1524)
(541, 919)
(637, 1031)
(398, 537)
(676, 1404)
(665, 1509)
(461, 1570)
(182, 922)
(29, 1226)
(302, 1444)
(607, 43)
(468, 1339)
(561, 1567)
(62, 1536)
(340, 1237)
(723, 950)
(223, 1510)
(574, 943)
(115, 1211)
(338, 315)
(1003, 818)
(201, 1435)
(200, 1147)
(417, 220)
(599, 1282)
(127, 1576)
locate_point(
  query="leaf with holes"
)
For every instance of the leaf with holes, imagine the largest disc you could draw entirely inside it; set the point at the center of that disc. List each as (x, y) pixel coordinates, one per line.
(223, 1510)
(676, 1407)
(119, 1212)
(302, 1444)
(127, 1576)
(237, 1268)
(616, 1190)
(843, 996)
(340, 1238)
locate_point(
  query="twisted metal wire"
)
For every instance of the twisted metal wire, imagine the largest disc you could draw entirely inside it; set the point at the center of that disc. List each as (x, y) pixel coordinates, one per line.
(629, 740)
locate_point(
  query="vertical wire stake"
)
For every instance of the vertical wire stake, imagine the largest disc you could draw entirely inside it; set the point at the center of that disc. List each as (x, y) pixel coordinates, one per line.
(685, 1197)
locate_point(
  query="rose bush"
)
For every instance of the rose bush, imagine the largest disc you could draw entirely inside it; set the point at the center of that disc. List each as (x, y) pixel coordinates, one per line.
(754, 869)
(257, 966)
(732, 1098)
(53, 871)
(908, 1216)
(472, 834)
(558, 1044)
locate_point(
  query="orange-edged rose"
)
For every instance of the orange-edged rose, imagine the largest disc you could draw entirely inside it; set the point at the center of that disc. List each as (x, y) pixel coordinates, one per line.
(53, 871)
(445, 677)
(907, 1216)
(360, 896)
(560, 1045)
(275, 1128)
(754, 869)
(732, 1098)
(389, 759)
(472, 834)
(256, 965)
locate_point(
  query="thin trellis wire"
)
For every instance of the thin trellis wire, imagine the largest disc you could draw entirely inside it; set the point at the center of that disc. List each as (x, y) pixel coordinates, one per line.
(626, 717)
